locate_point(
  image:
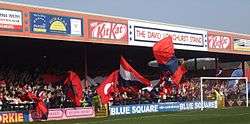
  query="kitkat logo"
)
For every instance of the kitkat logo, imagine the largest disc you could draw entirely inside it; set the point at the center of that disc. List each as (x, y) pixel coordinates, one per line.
(108, 30)
(219, 42)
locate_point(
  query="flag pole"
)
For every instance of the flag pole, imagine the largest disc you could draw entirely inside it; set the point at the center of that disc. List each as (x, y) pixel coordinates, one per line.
(85, 66)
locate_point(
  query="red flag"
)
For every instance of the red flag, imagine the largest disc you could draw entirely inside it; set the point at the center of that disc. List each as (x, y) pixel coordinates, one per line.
(163, 50)
(128, 73)
(74, 83)
(107, 87)
(41, 108)
(176, 77)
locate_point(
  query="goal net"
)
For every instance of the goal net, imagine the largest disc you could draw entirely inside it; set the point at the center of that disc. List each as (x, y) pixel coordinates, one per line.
(226, 91)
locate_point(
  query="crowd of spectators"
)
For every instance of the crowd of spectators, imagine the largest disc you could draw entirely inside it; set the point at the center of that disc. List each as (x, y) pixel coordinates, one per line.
(15, 82)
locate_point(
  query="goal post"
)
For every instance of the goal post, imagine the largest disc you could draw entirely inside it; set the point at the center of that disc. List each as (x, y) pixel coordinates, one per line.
(227, 79)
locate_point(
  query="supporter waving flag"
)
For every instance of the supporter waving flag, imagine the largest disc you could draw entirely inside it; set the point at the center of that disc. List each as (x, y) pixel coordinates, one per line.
(165, 56)
(164, 50)
(130, 77)
(41, 110)
(107, 87)
(73, 88)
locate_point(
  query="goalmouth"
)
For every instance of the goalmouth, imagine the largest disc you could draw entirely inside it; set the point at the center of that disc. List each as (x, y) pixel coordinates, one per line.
(236, 79)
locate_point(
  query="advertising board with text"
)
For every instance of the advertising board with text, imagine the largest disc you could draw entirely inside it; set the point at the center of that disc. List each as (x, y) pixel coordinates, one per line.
(107, 30)
(147, 34)
(53, 24)
(10, 20)
(67, 113)
(160, 107)
(14, 117)
(241, 44)
(219, 41)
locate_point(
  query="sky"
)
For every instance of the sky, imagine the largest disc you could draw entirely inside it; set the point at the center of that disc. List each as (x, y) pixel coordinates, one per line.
(225, 15)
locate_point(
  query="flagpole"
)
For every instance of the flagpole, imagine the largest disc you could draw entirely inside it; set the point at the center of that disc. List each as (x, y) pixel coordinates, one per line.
(85, 66)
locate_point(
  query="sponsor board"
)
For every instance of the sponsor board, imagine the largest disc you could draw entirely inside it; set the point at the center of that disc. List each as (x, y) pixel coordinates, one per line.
(107, 30)
(219, 42)
(169, 107)
(52, 24)
(197, 105)
(146, 34)
(160, 107)
(14, 117)
(133, 109)
(67, 113)
(241, 44)
(10, 20)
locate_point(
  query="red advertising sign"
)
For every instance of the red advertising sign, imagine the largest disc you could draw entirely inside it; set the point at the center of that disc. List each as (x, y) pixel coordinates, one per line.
(217, 41)
(108, 30)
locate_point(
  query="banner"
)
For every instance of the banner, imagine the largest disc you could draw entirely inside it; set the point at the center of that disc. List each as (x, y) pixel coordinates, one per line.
(10, 20)
(219, 42)
(52, 24)
(133, 109)
(241, 45)
(160, 107)
(107, 30)
(146, 34)
(14, 117)
(197, 105)
(169, 107)
(68, 113)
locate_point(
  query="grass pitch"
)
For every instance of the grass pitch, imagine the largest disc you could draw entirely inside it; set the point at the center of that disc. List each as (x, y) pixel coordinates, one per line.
(216, 116)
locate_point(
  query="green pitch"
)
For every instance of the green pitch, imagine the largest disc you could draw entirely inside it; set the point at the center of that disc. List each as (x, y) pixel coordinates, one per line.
(215, 116)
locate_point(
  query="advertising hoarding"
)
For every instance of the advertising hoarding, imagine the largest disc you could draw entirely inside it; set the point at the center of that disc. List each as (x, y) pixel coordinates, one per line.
(160, 107)
(133, 109)
(220, 41)
(14, 117)
(241, 44)
(146, 34)
(10, 20)
(67, 113)
(197, 105)
(107, 30)
(53, 24)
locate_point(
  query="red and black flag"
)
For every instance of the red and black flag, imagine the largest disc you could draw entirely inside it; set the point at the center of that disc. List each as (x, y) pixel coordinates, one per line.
(165, 56)
(41, 110)
(73, 88)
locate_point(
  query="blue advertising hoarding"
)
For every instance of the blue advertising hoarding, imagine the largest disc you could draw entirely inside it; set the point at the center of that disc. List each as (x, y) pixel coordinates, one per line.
(133, 109)
(52, 24)
(144, 108)
(197, 105)
(169, 107)
(160, 107)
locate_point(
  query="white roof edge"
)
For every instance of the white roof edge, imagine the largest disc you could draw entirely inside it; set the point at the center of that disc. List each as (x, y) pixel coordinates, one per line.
(155, 22)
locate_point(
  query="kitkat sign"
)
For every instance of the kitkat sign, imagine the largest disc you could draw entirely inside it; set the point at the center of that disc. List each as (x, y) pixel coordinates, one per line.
(146, 34)
(107, 30)
(219, 41)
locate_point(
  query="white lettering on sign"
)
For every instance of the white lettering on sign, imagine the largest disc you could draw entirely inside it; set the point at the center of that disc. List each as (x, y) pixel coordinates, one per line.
(185, 38)
(108, 30)
(144, 109)
(55, 114)
(120, 110)
(219, 42)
